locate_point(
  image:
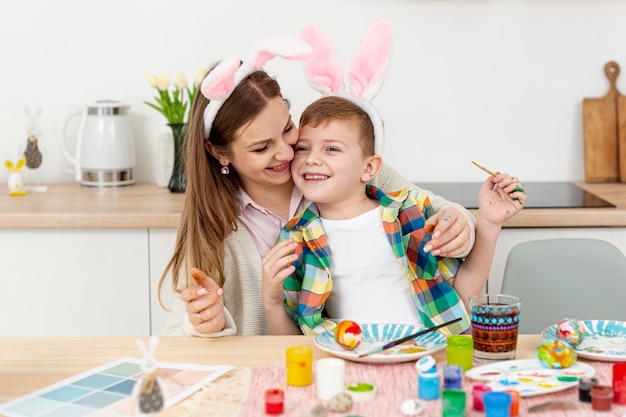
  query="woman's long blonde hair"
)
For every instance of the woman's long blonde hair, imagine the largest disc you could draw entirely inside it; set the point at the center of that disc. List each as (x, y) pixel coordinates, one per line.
(210, 208)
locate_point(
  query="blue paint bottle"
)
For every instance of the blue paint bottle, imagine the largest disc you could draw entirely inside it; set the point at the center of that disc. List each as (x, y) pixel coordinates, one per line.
(452, 377)
(427, 379)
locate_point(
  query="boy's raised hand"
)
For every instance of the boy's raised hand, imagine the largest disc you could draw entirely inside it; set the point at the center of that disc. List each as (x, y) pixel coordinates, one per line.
(501, 197)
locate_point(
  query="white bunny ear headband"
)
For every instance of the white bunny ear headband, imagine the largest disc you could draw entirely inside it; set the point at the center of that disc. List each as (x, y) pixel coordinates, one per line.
(226, 76)
(366, 76)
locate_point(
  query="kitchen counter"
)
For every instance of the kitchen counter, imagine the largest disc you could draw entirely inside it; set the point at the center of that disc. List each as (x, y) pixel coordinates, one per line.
(71, 206)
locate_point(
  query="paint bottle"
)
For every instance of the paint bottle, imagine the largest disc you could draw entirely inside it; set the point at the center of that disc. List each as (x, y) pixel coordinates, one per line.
(274, 401)
(453, 403)
(601, 397)
(428, 384)
(299, 365)
(584, 388)
(452, 376)
(619, 382)
(497, 404)
(460, 351)
(515, 399)
(478, 391)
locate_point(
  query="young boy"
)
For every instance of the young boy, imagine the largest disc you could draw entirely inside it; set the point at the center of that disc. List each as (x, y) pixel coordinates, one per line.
(358, 253)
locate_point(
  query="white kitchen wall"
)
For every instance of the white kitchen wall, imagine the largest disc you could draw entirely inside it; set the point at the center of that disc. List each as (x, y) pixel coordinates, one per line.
(497, 81)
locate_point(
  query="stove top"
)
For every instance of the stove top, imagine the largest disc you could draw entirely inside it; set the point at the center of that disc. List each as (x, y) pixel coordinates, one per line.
(540, 194)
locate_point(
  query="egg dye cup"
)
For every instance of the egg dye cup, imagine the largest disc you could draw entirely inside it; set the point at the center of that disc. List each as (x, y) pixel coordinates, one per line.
(495, 324)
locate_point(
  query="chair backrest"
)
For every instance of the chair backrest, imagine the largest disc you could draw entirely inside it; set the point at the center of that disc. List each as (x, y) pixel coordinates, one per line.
(568, 277)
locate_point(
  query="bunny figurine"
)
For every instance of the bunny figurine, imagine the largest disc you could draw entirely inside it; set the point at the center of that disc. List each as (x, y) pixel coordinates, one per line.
(147, 390)
(32, 153)
(15, 179)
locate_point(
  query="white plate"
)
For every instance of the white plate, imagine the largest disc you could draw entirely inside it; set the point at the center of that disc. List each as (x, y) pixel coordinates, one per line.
(376, 335)
(528, 376)
(605, 340)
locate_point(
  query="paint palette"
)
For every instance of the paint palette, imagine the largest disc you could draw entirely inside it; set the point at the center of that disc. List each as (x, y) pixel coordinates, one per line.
(107, 390)
(529, 377)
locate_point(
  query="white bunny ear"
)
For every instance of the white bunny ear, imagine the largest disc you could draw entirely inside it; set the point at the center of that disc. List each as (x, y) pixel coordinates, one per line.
(284, 46)
(154, 342)
(370, 65)
(142, 346)
(322, 68)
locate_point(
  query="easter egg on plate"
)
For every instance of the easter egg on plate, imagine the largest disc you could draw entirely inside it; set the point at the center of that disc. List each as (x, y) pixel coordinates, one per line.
(348, 334)
(571, 331)
(556, 354)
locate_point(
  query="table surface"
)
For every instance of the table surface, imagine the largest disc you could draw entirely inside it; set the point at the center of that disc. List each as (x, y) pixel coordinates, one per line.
(29, 364)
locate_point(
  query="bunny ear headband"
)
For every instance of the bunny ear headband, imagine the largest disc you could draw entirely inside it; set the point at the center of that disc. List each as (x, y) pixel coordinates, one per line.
(226, 76)
(366, 76)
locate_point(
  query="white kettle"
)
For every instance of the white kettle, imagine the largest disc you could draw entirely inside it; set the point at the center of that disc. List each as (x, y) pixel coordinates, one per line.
(105, 152)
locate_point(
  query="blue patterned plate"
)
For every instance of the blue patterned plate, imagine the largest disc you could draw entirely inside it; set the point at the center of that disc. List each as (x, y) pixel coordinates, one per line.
(605, 340)
(375, 335)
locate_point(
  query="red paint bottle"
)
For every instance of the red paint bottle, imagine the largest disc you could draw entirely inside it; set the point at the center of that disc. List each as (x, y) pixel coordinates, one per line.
(274, 401)
(601, 397)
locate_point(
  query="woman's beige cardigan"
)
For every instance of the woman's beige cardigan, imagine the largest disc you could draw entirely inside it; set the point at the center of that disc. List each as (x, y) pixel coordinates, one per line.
(243, 306)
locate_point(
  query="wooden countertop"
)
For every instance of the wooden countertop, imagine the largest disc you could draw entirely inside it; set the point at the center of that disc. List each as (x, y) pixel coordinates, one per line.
(71, 206)
(614, 193)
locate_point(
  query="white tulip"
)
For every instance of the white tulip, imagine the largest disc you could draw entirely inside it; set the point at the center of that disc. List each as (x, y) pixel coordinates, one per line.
(163, 82)
(180, 81)
(199, 75)
(152, 79)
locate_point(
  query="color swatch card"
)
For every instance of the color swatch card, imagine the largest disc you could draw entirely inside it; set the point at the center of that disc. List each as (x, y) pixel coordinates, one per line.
(108, 390)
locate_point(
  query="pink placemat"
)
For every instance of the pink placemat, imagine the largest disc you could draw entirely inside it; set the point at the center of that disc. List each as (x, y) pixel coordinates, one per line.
(395, 383)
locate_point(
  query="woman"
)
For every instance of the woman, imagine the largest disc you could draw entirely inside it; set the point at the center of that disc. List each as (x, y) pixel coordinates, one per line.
(239, 194)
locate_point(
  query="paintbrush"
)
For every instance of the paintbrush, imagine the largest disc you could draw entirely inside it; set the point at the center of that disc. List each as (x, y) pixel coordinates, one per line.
(488, 171)
(407, 338)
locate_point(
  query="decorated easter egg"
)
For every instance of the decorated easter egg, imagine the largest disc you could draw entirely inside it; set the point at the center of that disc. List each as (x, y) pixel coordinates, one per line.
(571, 331)
(556, 354)
(348, 334)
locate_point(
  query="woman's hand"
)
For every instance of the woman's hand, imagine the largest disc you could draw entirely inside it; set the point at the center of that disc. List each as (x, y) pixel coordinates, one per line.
(451, 233)
(500, 198)
(277, 265)
(204, 304)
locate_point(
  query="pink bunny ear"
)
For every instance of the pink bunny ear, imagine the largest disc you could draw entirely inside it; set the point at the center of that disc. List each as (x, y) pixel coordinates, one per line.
(219, 82)
(322, 68)
(369, 67)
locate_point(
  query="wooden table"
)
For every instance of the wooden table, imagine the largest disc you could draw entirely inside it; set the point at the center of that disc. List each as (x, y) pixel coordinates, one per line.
(28, 364)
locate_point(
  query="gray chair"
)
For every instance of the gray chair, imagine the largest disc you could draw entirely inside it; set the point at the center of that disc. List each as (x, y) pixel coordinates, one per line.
(569, 277)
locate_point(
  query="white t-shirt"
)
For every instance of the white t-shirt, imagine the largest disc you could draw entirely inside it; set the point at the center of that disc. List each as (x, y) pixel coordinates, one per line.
(369, 285)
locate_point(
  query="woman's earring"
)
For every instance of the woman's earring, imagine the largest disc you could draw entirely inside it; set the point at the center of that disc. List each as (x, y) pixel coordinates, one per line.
(225, 170)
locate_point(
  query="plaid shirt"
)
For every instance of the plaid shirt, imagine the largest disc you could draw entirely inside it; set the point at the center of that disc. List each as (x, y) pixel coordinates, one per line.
(403, 214)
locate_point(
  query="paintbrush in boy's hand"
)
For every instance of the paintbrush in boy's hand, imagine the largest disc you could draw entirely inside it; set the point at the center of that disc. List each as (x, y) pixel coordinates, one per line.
(407, 338)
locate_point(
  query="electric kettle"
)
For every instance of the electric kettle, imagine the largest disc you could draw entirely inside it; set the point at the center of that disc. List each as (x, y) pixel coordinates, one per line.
(105, 152)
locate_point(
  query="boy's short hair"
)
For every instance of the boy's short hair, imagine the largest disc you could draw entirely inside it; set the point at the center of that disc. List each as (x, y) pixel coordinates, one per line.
(331, 108)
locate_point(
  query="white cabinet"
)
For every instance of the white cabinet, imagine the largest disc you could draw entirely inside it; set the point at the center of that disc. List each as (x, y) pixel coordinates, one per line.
(57, 282)
(512, 236)
(162, 243)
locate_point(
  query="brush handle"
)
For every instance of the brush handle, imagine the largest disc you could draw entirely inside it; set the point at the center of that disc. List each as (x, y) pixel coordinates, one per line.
(409, 337)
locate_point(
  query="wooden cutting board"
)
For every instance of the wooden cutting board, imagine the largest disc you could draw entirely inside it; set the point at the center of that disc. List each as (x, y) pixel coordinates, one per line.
(600, 129)
(621, 136)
